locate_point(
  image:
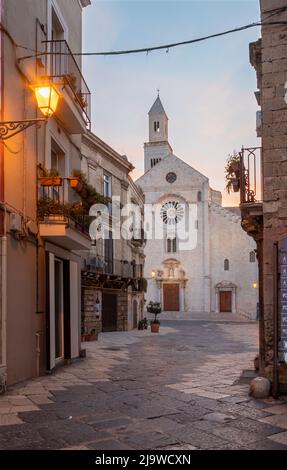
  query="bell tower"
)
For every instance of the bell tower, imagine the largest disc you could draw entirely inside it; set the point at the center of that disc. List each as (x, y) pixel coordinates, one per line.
(158, 147)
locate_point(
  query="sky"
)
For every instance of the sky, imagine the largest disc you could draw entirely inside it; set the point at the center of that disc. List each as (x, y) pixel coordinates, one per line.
(207, 89)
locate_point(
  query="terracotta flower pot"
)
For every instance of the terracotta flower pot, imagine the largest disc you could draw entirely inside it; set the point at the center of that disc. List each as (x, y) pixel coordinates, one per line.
(154, 327)
(74, 182)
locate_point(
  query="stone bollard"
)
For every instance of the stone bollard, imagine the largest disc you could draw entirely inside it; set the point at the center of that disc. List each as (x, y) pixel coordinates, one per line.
(260, 387)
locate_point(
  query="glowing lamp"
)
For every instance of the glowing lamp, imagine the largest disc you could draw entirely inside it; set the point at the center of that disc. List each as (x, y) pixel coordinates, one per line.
(254, 285)
(47, 97)
(152, 274)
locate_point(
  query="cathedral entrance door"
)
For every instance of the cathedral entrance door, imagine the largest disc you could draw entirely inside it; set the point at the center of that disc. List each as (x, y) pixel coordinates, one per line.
(225, 301)
(171, 297)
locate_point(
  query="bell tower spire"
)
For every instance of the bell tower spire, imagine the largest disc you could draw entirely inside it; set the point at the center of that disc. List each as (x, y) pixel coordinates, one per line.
(158, 122)
(158, 147)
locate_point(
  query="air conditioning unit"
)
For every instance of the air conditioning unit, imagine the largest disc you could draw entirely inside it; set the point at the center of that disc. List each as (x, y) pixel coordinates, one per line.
(15, 222)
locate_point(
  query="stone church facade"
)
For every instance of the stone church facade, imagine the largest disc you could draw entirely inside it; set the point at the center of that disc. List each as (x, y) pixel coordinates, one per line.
(218, 273)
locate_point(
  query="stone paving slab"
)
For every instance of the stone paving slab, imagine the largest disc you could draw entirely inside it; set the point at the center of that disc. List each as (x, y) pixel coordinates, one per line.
(177, 390)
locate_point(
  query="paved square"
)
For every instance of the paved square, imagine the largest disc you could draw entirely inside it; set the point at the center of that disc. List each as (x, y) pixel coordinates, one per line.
(178, 389)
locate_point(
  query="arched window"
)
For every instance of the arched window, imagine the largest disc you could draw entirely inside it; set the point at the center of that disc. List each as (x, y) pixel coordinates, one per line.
(156, 126)
(199, 196)
(171, 245)
(252, 257)
(226, 264)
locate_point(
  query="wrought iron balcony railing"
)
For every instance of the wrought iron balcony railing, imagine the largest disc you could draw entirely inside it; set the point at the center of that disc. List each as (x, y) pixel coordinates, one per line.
(251, 175)
(109, 266)
(55, 206)
(61, 64)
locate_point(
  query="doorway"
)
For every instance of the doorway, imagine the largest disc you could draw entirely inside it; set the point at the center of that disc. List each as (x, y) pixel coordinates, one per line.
(225, 301)
(171, 297)
(135, 314)
(59, 310)
(109, 312)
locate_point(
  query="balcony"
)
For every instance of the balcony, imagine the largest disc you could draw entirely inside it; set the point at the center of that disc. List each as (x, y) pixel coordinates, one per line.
(251, 190)
(60, 222)
(97, 271)
(74, 109)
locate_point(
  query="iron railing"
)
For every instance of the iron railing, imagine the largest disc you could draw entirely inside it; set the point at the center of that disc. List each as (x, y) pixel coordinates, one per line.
(251, 175)
(55, 206)
(116, 267)
(61, 64)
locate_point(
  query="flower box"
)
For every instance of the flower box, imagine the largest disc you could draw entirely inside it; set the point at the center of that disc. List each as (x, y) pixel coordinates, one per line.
(51, 181)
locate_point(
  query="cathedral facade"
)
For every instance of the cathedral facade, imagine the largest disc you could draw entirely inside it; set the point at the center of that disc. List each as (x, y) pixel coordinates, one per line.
(217, 271)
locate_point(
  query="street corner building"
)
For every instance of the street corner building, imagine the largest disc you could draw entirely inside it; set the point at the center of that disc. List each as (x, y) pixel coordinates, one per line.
(219, 272)
(263, 192)
(56, 287)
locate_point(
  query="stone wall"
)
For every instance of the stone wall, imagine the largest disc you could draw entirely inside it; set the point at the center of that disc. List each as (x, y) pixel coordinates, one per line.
(123, 305)
(274, 143)
(91, 318)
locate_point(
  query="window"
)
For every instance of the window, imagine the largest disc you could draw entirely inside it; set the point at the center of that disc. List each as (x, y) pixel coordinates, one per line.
(109, 253)
(199, 196)
(57, 158)
(58, 32)
(171, 245)
(226, 265)
(171, 177)
(154, 161)
(172, 212)
(252, 257)
(107, 186)
(156, 126)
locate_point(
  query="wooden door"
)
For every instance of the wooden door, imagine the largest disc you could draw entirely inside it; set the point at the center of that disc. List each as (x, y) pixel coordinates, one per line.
(109, 312)
(226, 301)
(171, 297)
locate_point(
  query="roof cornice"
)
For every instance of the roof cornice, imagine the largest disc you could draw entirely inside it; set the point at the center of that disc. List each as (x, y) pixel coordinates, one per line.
(99, 144)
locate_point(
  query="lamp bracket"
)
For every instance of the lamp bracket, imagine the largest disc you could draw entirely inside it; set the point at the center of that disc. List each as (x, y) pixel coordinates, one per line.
(10, 128)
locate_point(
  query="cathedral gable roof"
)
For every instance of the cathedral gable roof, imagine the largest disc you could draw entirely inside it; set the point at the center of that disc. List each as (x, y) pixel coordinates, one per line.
(171, 163)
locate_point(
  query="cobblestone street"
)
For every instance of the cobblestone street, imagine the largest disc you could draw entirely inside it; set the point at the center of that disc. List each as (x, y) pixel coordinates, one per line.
(181, 389)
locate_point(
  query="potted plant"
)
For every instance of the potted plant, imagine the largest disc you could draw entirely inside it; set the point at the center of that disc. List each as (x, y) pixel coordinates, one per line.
(92, 335)
(155, 309)
(143, 324)
(74, 181)
(232, 173)
(83, 336)
(50, 177)
(81, 99)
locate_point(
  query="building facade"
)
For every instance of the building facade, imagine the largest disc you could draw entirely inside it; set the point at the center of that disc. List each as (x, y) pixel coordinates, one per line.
(264, 216)
(217, 271)
(112, 273)
(41, 233)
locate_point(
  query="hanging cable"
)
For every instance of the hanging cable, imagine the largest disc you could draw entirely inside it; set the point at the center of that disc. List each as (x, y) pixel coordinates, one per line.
(165, 47)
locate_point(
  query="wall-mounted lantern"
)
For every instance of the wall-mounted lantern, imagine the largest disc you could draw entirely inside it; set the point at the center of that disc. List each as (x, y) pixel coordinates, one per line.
(47, 98)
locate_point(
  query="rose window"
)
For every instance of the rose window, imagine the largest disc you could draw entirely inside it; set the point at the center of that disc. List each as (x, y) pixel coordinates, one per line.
(172, 212)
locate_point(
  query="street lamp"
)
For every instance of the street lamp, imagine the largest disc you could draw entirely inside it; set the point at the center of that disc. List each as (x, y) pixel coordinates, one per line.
(47, 97)
(153, 273)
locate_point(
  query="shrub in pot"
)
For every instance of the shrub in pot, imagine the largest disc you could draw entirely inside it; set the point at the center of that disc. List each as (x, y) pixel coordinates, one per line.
(155, 309)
